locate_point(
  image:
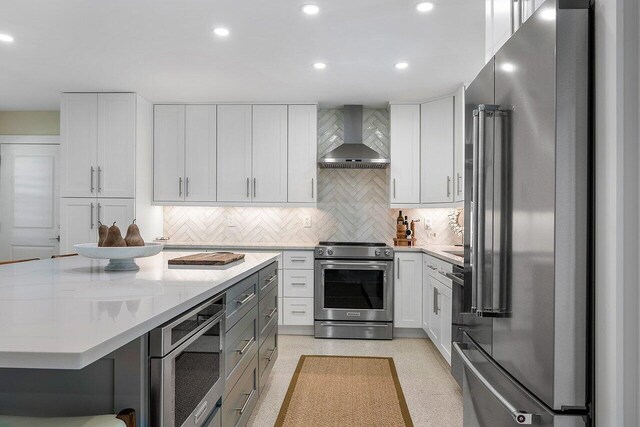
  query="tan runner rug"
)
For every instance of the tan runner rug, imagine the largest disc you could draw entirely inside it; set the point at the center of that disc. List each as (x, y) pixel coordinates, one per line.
(346, 391)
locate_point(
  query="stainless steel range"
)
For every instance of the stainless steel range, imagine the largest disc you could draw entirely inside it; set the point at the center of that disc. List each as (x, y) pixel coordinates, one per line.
(353, 290)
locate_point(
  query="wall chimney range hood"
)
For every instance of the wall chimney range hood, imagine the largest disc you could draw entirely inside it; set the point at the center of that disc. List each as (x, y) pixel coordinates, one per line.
(353, 154)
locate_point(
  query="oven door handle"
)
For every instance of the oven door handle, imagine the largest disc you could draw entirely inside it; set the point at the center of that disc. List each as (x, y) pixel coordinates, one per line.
(200, 332)
(345, 265)
(359, 324)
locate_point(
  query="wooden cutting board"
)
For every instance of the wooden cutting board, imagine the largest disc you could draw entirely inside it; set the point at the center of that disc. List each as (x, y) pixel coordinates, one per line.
(210, 258)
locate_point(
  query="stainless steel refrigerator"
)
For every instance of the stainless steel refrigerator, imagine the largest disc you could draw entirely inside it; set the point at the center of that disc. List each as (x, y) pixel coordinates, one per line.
(526, 351)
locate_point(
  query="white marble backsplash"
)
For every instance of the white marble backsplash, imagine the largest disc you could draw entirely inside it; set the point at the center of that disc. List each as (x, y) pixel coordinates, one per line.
(353, 204)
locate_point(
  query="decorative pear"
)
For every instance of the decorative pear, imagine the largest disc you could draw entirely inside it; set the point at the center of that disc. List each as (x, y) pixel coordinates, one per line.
(114, 238)
(102, 233)
(133, 237)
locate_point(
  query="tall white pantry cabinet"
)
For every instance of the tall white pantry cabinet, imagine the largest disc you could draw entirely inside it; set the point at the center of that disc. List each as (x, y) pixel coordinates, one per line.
(105, 166)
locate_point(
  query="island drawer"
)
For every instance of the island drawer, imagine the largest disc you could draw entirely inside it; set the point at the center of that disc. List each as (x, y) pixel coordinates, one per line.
(268, 279)
(241, 399)
(241, 344)
(268, 313)
(267, 355)
(241, 298)
(301, 260)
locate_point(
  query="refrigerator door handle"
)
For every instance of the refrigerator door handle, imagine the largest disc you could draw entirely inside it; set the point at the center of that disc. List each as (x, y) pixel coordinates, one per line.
(474, 214)
(520, 417)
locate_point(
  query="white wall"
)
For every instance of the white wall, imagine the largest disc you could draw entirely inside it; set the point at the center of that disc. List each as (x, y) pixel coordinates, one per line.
(617, 208)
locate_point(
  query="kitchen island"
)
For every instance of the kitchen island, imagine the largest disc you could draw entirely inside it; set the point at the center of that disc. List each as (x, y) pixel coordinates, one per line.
(62, 319)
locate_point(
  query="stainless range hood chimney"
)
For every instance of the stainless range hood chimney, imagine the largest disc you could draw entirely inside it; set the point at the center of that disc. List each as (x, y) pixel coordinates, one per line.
(353, 154)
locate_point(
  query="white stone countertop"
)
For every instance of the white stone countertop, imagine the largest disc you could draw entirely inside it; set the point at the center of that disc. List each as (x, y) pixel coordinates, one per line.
(437, 251)
(66, 313)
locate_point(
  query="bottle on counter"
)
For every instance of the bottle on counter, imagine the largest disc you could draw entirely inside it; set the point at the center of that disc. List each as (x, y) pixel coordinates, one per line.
(400, 219)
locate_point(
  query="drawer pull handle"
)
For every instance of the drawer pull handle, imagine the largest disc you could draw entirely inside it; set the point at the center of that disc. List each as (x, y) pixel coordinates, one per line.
(299, 311)
(269, 280)
(298, 284)
(299, 259)
(271, 355)
(246, 402)
(246, 299)
(432, 267)
(247, 345)
(274, 311)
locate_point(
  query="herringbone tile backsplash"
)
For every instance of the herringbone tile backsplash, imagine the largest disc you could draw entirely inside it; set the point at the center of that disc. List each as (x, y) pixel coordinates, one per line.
(353, 204)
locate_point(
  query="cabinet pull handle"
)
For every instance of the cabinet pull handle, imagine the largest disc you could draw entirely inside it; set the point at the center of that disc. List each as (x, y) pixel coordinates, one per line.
(92, 173)
(246, 402)
(201, 411)
(398, 268)
(246, 299)
(298, 312)
(186, 187)
(312, 188)
(247, 345)
(448, 186)
(272, 353)
(247, 187)
(254, 187)
(270, 315)
(394, 188)
(458, 183)
(91, 217)
(98, 215)
(180, 187)
(99, 173)
(435, 298)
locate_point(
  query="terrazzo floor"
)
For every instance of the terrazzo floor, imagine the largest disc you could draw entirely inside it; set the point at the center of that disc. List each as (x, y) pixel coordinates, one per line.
(433, 396)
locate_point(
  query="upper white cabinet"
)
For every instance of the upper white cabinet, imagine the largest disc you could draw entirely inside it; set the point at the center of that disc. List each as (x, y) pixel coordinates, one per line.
(79, 144)
(234, 153)
(436, 151)
(200, 177)
(302, 161)
(502, 19)
(458, 148)
(405, 155)
(98, 151)
(408, 290)
(269, 153)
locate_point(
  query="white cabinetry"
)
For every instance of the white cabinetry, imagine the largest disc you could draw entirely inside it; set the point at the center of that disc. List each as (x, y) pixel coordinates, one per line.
(168, 152)
(502, 19)
(437, 305)
(436, 150)
(234, 153)
(458, 149)
(269, 153)
(98, 134)
(407, 310)
(405, 155)
(297, 302)
(200, 153)
(302, 161)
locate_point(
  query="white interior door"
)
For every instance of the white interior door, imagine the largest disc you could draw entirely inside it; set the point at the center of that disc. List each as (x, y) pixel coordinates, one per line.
(269, 161)
(29, 201)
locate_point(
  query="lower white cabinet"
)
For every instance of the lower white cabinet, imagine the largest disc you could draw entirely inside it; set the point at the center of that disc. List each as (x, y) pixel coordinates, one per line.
(436, 307)
(297, 311)
(407, 310)
(298, 283)
(79, 219)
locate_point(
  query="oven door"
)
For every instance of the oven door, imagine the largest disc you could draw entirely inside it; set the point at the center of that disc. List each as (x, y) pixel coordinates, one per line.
(354, 290)
(187, 383)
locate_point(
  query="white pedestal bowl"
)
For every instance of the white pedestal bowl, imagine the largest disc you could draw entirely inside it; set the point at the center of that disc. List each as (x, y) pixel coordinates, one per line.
(120, 259)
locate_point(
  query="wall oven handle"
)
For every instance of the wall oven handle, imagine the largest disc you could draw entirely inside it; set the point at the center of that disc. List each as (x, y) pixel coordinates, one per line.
(271, 313)
(520, 417)
(246, 299)
(246, 402)
(247, 345)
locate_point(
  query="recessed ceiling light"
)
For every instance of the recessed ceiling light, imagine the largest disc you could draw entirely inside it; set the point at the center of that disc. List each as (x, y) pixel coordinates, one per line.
(508, 67)
(424, 6)
(222, 32)
(548, 14)
(6, 38)
(319, 65)
(310, 9)
(402, 65)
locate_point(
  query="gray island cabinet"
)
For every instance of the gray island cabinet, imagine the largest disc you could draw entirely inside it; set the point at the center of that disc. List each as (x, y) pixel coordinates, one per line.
(75, 340)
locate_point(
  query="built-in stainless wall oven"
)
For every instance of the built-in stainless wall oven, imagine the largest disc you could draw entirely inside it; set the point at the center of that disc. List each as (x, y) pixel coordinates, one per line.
(187, 367)
(353, 290)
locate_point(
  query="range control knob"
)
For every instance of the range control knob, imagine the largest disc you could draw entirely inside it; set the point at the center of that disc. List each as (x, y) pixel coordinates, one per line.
(320, 251)
(330, 252)
(387, 252)
(377, 252)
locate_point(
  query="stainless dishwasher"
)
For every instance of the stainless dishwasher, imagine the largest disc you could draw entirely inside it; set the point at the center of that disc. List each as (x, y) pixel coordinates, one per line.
(187, 367)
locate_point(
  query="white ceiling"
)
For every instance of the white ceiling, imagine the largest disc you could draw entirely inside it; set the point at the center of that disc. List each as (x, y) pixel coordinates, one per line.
(165, 50)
